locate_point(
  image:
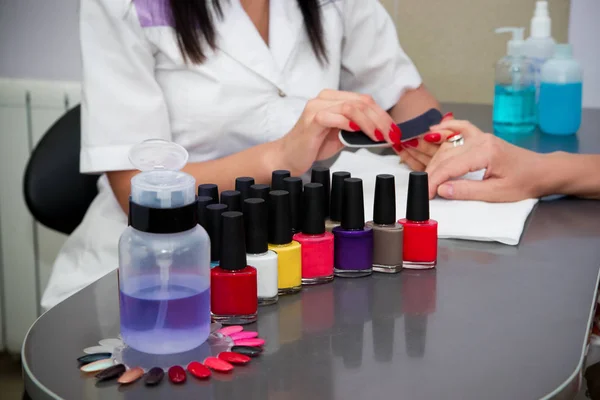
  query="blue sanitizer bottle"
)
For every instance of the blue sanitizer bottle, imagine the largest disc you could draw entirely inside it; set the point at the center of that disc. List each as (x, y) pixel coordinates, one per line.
(515, 89)
(561, 93)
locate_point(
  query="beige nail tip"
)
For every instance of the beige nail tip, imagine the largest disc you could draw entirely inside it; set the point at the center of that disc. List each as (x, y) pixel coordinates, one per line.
(131, 375)
(97, 366)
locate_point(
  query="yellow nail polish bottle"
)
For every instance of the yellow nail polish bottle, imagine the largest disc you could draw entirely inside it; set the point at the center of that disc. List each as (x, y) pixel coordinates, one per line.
(280, 241)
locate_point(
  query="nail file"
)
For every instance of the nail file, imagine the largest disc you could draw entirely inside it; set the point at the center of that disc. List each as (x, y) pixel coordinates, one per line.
(410, 129)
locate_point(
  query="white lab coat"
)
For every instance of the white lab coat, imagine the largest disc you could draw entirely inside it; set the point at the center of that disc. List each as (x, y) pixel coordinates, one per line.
(137, 86)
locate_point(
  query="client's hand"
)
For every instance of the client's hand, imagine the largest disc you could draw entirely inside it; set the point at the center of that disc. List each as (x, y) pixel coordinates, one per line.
(315, 135)
(510, 171)
(417, 152)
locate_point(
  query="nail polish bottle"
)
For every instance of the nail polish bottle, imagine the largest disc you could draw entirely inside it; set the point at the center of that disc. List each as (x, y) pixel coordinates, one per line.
(353, 250)
(420, 232)
(260, 191)
(336, 197)
(232, 199)
(233, 284)
(203, 201)
(280, 241)
(242, 185)
(317, 244)
(293, 186)
(387, 233)
(213, 228)
(277, 178)
(258, 254)
(209, 189)
(321, 175)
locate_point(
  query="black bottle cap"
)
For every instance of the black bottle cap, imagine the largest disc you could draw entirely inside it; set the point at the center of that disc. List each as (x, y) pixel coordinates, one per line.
(313, 218)
(353, 207)
(243, 184)
(337, 194)
(417, 202)
(233, 242)
(209, 189)
(277, 178)
(280, 221)
(293, 186)
(232, 199)
(202, 202)
(213, 227)
(384, 204)
(321, 175)
(257, 225)
(260, 191)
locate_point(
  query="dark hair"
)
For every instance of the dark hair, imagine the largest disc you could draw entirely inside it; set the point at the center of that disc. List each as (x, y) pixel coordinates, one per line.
(194, 26)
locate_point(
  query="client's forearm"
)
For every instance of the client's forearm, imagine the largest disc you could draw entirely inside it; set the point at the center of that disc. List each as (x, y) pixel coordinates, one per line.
(412, 104)
(571, 174)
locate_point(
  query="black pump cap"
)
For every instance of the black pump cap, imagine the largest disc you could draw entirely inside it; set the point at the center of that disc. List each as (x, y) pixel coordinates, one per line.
(337, 194)
(277, 178)
(280, 221)
(260, 191)
(242, 185)
(384, 204)
(313, 218)
(233, 255)
(293, 186)
(257, 226)
(213, 227)
(353, 207)
(202, 202)
(321, 175)
(233, 200)
(417, 202)
(209, 189)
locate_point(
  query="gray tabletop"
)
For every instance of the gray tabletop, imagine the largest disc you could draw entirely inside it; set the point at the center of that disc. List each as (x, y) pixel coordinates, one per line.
(492, 322)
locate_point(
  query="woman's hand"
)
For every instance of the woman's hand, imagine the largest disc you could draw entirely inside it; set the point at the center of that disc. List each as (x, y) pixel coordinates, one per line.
(417, 152)
(315, 135)
(512, 173)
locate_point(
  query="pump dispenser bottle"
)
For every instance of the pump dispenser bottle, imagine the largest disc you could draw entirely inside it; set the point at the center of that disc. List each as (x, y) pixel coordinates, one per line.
(515, 92)
(164, 256)
(539, 46)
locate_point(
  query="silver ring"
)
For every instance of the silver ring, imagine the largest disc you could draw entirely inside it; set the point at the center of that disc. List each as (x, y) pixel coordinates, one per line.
(456, 140)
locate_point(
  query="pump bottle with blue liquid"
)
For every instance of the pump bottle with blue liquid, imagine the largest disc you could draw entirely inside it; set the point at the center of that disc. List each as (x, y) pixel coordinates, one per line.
(164, 256)
(515, 90)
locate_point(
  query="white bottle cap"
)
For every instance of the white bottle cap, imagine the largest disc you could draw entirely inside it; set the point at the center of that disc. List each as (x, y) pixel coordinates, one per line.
(514, 47)
(541, 23)
(161, 184)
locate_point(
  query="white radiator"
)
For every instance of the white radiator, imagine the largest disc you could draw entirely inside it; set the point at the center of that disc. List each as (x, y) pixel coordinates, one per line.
(27, 249)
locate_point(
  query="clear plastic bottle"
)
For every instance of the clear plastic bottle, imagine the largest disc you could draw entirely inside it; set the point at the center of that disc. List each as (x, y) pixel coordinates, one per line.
(539, 46)
(514, 92)
(560, 103)
(164, 256)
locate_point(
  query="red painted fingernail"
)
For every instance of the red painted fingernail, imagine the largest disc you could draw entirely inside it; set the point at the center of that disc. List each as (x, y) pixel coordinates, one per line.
(218, 365)
(398, 147)
(411, 143)
(432, 137)
(395, 134)
(177, 374)
(200, 371)
(451, 136)
(234, 358)
(448, 115)
(379, 135)
(354, 126)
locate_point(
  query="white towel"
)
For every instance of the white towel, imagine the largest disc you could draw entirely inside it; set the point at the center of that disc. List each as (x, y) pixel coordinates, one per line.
(469, 220)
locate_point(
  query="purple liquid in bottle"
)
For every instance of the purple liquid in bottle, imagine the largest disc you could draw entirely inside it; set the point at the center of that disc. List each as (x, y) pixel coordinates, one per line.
(165, 319)
(353, 252)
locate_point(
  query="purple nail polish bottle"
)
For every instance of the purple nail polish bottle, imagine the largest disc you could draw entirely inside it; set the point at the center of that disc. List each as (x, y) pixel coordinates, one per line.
(353, 246)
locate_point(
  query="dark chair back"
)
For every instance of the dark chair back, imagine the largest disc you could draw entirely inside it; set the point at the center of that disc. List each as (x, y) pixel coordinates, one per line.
(56, 194)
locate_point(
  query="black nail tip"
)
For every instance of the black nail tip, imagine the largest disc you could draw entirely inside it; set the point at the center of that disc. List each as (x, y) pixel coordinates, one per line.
(250, 351)
(90, 358)
(154, 376)
(111, 373)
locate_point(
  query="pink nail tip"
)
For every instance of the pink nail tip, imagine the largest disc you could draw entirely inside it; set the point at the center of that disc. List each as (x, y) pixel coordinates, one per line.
(218, 365)
(229, 330)
(243, 335)
(249, 342)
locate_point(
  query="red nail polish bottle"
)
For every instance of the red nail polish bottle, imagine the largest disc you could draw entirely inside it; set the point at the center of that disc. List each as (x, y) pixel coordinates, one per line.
(233, 284)
(420, 232)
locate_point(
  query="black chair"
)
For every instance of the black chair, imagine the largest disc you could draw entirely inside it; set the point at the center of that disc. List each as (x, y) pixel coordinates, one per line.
(56, 194)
